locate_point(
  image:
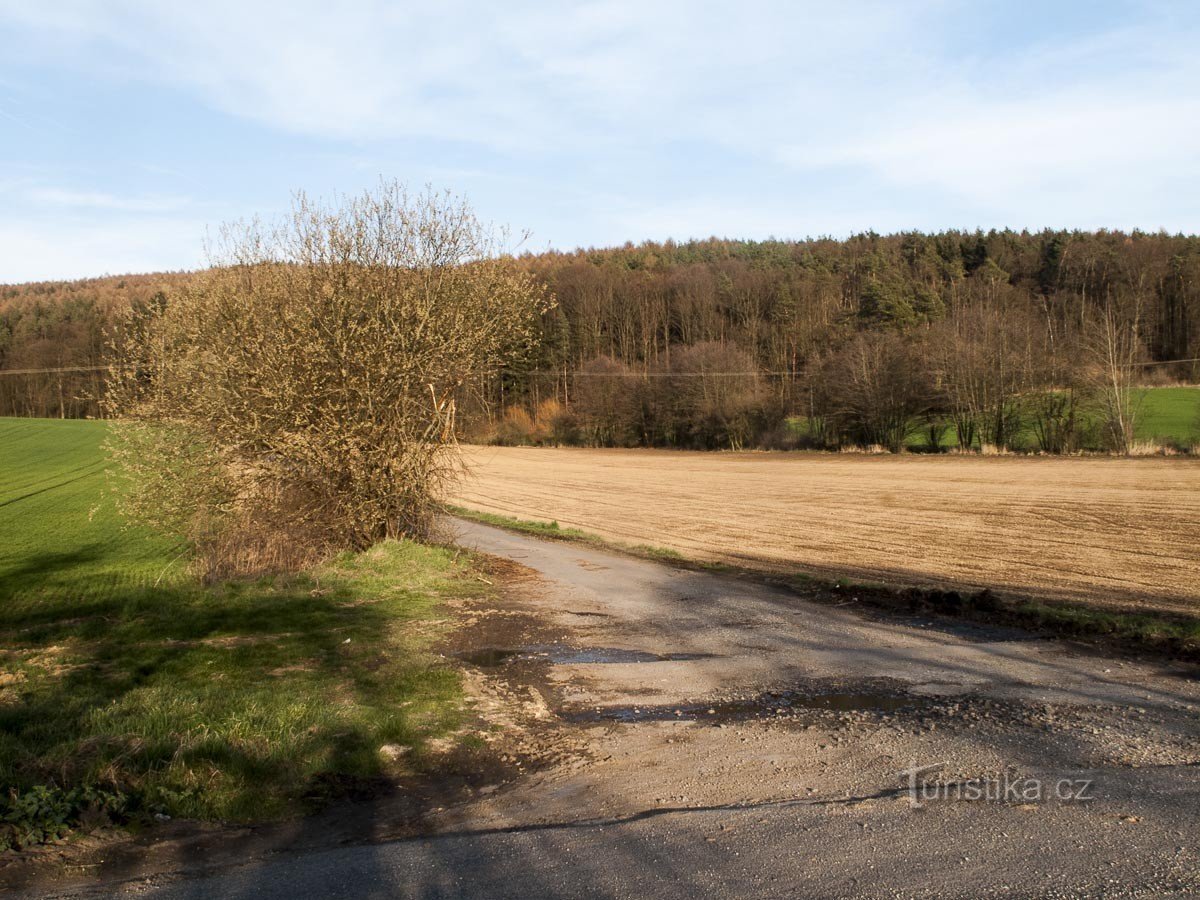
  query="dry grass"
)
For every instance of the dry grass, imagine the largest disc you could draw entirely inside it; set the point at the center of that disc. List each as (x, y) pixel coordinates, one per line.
(1118, 533)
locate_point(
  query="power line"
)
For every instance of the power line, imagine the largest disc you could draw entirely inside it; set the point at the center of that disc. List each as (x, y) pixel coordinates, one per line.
(574, 374)
(58, 370)
(1168, 362)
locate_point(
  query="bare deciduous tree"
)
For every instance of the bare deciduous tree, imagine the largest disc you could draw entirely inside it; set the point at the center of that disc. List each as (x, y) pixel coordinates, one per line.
(984, 357)
(711, 396)
(1116, 349)
(607, 402)
(875, 388)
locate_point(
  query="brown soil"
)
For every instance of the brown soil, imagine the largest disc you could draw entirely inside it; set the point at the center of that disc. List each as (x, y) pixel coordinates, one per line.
(1120, 533)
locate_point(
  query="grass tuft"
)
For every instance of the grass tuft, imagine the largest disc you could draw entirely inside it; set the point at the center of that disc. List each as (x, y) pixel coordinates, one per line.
(554, 532)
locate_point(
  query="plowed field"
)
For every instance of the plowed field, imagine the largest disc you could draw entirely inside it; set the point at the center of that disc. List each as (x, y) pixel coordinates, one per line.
(1117, 532)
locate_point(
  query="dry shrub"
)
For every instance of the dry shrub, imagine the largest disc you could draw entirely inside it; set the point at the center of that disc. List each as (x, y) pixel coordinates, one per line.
(864, 449)
(298, 397)
(546, 414)
(555, 424)
(550, 423)
(515, 427)
(1148, 448)
(986, 449)
(266, 535)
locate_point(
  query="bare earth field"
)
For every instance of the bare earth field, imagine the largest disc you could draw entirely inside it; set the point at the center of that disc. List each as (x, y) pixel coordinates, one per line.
(1122, 533)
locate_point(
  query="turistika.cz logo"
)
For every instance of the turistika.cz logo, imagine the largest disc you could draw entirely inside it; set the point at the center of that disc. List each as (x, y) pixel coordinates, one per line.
(1005, 788)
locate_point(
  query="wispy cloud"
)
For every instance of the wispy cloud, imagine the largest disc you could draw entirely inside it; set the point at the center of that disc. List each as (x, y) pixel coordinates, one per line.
(602, 121)
(59, 197)
(521, 75)
(38, 249)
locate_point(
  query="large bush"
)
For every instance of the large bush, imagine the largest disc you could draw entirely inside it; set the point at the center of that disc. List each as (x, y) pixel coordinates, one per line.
(298, 396)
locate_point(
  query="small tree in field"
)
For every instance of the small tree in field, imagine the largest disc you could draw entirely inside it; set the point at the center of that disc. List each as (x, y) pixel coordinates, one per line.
(1116, 349)
(875, 389)
(712, 396)
(299, 397)
(606, 402)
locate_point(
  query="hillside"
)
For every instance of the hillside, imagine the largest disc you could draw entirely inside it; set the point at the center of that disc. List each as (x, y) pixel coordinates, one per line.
(720, 342)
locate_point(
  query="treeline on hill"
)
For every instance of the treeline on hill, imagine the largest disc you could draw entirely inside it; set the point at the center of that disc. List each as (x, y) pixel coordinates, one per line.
(54, 337)
(1000, 339)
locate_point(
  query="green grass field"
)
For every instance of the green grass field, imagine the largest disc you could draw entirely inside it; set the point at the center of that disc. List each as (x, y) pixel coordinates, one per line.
(126, 684)
(1170, 414)
(1167, 416)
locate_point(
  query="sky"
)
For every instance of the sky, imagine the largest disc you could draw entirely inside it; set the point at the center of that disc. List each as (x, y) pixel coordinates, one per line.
(130, 129)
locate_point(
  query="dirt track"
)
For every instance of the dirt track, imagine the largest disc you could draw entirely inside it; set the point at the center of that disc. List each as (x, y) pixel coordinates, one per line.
(1122, 532)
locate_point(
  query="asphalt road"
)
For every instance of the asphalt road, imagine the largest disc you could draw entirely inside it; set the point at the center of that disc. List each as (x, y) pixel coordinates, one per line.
(714, 737)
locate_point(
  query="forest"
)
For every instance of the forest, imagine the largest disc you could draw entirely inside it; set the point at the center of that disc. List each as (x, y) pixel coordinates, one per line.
(54, 339)
(1000, 339)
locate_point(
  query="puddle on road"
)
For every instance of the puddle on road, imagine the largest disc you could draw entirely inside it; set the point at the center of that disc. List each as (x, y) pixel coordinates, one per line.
(854, 702)
(776, 706)
(559, 655)
(566, 656)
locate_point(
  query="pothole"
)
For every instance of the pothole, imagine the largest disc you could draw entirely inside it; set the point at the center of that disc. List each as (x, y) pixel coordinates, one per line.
(488, 657)
(561, 655)
(566, 656)
(774, 706)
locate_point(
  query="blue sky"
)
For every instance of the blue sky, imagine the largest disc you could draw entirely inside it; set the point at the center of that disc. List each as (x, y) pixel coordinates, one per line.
(128, 127)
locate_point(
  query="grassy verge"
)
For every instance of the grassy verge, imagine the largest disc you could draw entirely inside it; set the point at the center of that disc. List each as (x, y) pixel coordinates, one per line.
(1160, 633)
(554, 532)
(128, 689)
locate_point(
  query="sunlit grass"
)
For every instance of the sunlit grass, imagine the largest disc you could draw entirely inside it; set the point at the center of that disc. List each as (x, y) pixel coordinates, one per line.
(1166, 416)
(243, 700)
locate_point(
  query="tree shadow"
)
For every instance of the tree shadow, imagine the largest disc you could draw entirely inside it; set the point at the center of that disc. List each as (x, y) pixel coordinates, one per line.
(273, 696)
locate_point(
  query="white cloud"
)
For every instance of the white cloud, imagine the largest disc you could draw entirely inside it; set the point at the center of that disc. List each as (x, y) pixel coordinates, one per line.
(48, 231)
(60, 197)
(1111, 151)
(601, 112)
(995, 155)
(37, 249)
(515, 75)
